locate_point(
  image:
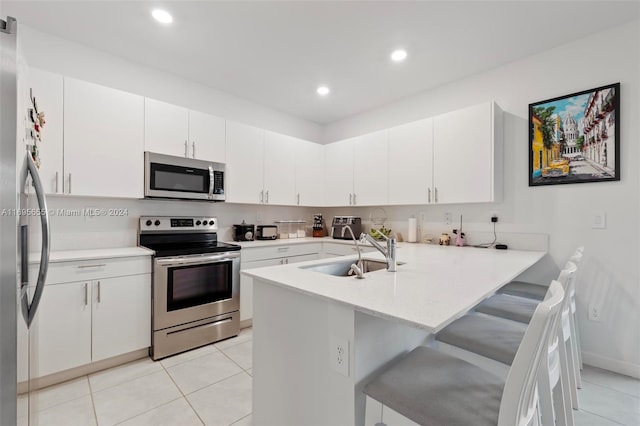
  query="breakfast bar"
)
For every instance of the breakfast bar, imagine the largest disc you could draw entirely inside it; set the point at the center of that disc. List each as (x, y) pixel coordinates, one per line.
(318, 338)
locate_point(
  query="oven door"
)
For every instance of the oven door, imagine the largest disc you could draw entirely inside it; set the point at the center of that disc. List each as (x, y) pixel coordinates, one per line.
(192, 288)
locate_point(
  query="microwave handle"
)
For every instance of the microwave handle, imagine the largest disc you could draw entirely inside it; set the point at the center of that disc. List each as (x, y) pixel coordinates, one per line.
(211, 181)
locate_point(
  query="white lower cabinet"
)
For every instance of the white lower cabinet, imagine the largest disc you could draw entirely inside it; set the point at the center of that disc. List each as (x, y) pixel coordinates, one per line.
(121, 321)
(261, 257)
(80, 322)
(64, 333)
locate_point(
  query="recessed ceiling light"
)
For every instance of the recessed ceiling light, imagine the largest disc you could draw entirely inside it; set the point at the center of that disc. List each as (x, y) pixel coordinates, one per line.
(399, 55)
(162, 16)
(323, 90)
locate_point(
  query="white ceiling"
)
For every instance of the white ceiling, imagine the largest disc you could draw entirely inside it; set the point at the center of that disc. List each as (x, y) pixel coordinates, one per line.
(277, 53)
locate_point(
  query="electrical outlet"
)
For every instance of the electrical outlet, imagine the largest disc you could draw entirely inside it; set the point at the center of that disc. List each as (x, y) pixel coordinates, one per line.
(447, 218)
(423, 217)
(258, 216)
(494, 218)
(599, 221)
(339, 354)
(595, 312)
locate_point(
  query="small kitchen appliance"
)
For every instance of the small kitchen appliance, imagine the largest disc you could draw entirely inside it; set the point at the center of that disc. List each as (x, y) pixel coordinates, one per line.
(243, 232)
(195, 286)
(340, 222)
(266, 232)
(167, 176)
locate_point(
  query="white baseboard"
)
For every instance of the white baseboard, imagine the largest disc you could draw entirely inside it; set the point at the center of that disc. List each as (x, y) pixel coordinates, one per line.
(617, 366)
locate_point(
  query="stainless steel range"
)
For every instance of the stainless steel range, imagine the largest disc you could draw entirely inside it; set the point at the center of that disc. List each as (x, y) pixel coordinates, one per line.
(196, 283)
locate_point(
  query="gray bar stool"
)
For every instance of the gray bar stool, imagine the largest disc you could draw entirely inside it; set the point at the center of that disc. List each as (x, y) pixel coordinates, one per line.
(428, 387)
(499, 339)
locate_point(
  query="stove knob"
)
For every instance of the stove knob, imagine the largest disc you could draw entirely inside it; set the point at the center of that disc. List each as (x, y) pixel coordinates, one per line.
(148, 223)
(211, 222)
(198, 222)
(205, 223)
(248, 236)
(157, 223)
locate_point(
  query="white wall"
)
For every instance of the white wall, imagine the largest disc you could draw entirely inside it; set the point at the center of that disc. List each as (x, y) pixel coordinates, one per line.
(61, 56)
(610, 273)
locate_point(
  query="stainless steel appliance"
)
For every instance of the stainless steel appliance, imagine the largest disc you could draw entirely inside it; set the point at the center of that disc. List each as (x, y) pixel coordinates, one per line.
(19, 175)
(340, 222)
(196, 283)
(266, 232)
(166, 176)
(243, 232)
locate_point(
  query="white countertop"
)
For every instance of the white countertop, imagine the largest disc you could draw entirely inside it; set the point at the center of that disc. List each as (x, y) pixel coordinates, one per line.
(436, 284)
(290, 241)
(106, 253)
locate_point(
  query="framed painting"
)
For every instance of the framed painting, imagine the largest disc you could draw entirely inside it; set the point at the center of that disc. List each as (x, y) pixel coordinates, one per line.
(575, 138)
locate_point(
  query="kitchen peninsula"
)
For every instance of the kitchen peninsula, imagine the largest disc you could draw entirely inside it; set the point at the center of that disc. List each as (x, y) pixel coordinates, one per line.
(318, 338)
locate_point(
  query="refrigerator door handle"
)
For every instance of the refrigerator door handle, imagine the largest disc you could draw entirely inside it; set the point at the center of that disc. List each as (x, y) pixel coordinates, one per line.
(29, 309)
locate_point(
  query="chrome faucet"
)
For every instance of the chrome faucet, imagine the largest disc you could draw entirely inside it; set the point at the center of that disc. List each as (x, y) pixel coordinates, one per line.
(356, 267)
(389, 252)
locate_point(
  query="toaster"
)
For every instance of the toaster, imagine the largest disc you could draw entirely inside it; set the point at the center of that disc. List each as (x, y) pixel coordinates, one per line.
(339, 222)
(243, 232)
(266, 232)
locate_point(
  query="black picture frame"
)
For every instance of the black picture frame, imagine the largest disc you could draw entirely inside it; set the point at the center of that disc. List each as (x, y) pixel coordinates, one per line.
(575, 138)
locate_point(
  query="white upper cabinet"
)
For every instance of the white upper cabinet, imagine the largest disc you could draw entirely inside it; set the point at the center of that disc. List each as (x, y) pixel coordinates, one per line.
(48, 92)
(467, 155)
(103, 141)
(338, 163)
(411, 163)
(207, 137)
(166, 128)
(174, 130)
(245, 165)
(371, 169)
(279, 169)
(309, 158)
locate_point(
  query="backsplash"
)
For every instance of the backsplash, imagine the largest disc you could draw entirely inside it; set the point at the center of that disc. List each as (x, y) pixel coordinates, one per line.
(72, 230)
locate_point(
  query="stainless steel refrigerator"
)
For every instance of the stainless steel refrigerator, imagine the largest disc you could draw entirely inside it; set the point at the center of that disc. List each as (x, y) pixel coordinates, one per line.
(22, 205)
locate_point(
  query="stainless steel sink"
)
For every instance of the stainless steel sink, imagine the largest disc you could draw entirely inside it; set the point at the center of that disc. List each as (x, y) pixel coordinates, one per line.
(341, 268)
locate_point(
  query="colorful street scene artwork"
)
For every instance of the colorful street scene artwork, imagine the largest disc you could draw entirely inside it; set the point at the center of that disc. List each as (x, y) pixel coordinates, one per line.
(575, 138)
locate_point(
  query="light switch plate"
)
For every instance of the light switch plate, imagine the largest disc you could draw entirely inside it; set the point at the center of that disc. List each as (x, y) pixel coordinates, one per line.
(599, 220)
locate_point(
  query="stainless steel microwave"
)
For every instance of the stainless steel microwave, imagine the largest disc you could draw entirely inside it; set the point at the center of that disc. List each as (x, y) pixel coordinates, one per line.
(166, 176)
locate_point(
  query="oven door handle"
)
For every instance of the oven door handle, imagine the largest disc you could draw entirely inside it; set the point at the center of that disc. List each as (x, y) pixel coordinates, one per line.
(182, 261)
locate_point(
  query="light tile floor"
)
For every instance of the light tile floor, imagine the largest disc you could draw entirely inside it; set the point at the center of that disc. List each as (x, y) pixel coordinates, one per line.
(212, 386)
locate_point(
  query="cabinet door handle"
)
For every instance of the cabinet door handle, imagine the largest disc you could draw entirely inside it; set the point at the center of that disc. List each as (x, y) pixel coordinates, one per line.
(286, 261)
(69, 192)
(98, 291)
(283, 248)
(262, 196)
(86, 294)
(186, 149)
(57, 176)
(282, 261)
(354, 199)
(435, 195)
(193, 149)
(266, 197)
(429, 195)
